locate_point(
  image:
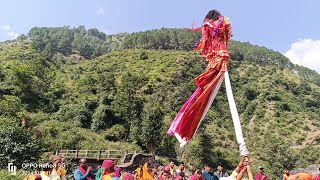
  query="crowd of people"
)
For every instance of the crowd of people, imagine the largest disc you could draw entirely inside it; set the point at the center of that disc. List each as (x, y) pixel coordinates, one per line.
(152, 170)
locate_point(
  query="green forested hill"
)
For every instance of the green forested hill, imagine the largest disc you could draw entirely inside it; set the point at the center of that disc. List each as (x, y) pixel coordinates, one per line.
(127, 98)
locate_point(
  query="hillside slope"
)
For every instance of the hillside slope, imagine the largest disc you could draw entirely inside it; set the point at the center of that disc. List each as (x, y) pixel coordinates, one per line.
(126, 99)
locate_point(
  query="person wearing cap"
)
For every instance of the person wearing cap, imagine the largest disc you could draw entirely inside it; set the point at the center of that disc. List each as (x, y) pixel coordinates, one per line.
(108, 172)
(83, 172)
(260, 175)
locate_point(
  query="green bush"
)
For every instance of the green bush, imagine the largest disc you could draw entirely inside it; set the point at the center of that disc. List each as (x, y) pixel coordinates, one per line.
(5, 175)
(115, 133)
(17, 144)
(143, 55)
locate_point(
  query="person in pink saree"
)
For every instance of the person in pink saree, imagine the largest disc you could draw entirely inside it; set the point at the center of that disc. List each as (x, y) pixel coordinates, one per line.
(216, 32)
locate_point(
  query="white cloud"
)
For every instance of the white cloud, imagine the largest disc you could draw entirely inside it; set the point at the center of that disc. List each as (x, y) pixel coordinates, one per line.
(13, 35)
(5, 27)
(9, 31)
(100, 11)
(104, 29)
(305, 52)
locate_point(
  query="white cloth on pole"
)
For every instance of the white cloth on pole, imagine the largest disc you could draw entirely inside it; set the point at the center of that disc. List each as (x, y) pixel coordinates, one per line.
(235, 117)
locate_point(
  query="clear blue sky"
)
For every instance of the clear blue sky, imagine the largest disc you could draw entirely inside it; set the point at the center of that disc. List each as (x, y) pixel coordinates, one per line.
(275, 24)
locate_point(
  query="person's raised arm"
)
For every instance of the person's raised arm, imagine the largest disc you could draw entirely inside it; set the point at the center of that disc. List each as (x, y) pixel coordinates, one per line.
(242, 172)
(240, 166)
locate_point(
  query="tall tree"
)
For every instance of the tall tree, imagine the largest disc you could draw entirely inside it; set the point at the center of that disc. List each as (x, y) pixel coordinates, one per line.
(276, 150)
(151, 125)
(129, 103)
(17, 144)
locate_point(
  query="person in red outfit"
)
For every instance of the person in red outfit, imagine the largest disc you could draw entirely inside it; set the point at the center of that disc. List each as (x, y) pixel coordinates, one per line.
(216, 32)
(260, 175)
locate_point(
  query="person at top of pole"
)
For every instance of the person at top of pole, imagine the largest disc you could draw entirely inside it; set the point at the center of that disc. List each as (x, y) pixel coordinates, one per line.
(213, 46)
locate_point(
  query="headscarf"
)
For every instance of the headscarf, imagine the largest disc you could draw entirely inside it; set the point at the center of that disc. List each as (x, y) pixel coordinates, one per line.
(146, 174)
(128, 176)
(305, 176)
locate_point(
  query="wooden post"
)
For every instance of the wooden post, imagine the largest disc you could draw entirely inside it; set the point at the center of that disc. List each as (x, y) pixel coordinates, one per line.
(86, 153)
(76, 154)
(99, 154)
(108, 153)
(66, 155)
(57, 152)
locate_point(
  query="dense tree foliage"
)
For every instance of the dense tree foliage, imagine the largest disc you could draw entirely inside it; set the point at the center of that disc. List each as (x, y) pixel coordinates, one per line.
(89, 44)
(17, 145)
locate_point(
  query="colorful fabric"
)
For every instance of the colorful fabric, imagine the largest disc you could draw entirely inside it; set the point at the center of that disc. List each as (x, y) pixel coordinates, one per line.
(85, 172)
(215, 36)
(213, 46)
(260, 175)
(139, 172)
(98, 174)
(305, 176)
(118, 172)
(111, 176)
(108, 163)
(146, 175)
(56, 174)
(61, 172)
(81, 174)
(127, 176)
(285, 176)
(171, 171)
(33, 177)
(194, 177)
